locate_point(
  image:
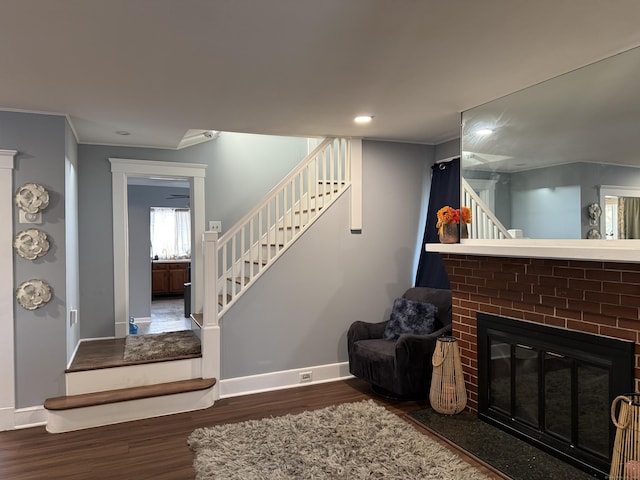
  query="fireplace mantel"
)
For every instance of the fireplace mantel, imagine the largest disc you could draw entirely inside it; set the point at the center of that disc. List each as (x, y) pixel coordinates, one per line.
(591, 250)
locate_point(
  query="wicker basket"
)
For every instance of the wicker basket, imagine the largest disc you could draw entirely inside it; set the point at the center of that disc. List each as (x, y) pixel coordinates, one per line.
(625, 461)
(448, 394)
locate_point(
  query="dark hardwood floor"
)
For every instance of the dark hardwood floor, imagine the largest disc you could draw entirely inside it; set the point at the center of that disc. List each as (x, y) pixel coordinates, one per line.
(157, 448)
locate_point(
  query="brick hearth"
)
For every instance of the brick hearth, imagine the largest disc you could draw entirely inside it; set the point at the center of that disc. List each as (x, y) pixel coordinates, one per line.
(601, 298)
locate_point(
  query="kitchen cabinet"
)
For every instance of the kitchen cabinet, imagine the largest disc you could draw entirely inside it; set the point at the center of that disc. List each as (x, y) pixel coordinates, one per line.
(169, 277)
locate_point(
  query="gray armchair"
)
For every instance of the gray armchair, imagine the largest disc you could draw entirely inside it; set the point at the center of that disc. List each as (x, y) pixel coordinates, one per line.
(401, 367)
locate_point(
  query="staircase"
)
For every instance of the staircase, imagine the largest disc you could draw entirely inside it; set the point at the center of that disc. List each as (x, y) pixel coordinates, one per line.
(235, 261)
(243, 254)
(232, 264)
(102, 387)
(485, 225)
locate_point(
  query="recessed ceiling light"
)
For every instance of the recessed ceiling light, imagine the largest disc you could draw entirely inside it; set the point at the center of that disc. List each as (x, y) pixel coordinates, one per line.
(363, 119)
(123, 132)
(484, 132)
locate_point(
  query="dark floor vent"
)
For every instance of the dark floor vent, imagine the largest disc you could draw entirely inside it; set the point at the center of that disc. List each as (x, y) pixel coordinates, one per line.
(553, 387)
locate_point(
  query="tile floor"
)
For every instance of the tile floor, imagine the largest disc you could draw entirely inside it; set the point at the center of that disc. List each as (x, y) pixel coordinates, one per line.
(167, 315)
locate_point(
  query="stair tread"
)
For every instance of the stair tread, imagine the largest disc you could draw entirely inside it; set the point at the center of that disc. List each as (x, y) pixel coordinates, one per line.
(220, 298)
(127, 394)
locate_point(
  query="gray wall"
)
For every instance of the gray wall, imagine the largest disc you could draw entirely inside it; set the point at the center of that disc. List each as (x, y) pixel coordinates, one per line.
(448, 149)
(298, 313)
(565, 190)
(241, 170)
(141, 198)
(71, 237)
(40, 335)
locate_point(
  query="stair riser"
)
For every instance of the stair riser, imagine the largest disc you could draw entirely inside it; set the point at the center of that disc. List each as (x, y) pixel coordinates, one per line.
(59, 421)
(106, 379)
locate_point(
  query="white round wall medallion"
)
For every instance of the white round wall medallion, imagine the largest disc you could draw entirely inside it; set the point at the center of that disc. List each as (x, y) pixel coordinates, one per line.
(31, 243)
(33, 294)
(32, 198)
(594, 234)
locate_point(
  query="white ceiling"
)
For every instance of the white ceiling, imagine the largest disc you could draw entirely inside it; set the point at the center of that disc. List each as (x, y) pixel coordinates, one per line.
(157, 68)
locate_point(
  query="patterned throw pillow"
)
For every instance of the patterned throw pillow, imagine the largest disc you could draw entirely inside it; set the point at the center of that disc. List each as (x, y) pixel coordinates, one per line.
(408, 316)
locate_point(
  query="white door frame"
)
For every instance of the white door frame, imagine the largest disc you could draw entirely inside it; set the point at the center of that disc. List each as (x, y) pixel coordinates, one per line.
(7, 339)
(121, 170)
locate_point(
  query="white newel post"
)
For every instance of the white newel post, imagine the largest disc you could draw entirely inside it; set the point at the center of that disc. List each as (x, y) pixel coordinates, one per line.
(210, 328)
(7, 366)
(354, 160)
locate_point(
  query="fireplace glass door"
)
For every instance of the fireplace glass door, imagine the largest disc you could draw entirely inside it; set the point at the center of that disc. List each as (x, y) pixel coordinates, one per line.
(552, 387)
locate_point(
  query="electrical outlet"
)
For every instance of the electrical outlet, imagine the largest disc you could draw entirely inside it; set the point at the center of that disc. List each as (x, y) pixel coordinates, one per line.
(215, 226)
(305, 377)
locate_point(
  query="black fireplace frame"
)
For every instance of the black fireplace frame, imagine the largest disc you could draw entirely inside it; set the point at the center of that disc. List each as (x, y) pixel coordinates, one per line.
(616, 356)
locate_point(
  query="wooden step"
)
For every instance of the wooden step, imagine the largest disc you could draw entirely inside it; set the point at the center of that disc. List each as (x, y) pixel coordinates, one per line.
(127, 394)
(220, 298)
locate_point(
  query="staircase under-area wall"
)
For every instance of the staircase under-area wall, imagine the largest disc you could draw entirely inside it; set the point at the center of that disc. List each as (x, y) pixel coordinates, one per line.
(232, 264)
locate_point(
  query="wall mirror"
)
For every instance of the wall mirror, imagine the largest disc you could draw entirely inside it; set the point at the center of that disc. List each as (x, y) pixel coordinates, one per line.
(560, 159)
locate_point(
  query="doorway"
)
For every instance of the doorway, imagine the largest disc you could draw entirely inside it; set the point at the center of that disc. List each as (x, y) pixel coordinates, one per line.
(615, 201)
(164, 290)
(122, 170)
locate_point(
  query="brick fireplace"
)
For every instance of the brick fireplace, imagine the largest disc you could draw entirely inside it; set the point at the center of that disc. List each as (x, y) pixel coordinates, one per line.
(596, 297)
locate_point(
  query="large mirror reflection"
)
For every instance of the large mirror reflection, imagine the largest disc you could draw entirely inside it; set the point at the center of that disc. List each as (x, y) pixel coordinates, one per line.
(558, 160)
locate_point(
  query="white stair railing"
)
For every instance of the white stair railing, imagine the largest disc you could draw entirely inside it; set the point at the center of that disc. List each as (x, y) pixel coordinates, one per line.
(238, 258)
(484, 223)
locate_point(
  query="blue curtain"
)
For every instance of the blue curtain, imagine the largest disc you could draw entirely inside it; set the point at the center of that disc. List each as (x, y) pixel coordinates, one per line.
(445, 190)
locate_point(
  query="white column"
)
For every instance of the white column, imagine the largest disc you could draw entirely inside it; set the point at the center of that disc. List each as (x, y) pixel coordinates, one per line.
(356, 183)
(7, 339)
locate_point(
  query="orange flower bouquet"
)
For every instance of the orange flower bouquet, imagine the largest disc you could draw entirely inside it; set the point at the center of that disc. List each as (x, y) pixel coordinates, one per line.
(448, 215)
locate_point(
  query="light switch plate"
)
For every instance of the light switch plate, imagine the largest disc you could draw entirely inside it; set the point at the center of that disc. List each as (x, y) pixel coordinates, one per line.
(215, 226)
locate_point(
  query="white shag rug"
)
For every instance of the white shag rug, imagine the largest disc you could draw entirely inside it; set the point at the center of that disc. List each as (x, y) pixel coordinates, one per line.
(350, 441)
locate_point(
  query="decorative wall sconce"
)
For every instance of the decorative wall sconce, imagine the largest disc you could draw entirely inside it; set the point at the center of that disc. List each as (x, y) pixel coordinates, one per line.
(32, 199)
(33, 294)
(31, 244)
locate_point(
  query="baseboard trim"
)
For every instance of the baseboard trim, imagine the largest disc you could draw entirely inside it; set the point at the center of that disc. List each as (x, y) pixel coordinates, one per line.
(19, 418)
(266, 382)
(232, 387)
(7, 418)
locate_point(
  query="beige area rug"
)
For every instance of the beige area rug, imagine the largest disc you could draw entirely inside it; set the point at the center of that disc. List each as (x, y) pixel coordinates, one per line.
(350, 441)
(161, 345)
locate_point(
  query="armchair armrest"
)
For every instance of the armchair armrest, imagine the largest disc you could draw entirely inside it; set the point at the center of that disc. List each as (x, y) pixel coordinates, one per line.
(446, 330)
(414, 347)
(365, 331)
